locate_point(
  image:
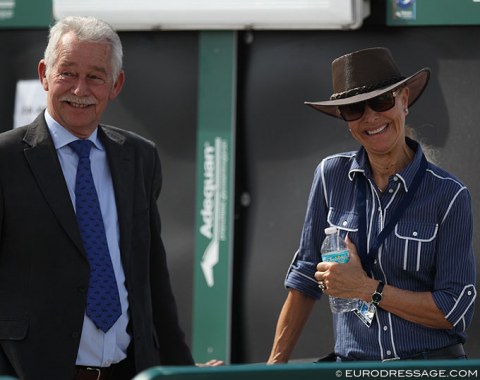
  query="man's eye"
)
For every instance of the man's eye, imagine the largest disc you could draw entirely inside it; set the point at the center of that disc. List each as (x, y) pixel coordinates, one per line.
(97, 80)
(67, 74)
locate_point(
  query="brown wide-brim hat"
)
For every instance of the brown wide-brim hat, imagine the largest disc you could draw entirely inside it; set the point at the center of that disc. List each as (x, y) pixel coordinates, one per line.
(365, 74)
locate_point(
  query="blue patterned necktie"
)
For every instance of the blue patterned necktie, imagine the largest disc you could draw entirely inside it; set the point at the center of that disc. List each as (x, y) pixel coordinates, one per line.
(103, 301)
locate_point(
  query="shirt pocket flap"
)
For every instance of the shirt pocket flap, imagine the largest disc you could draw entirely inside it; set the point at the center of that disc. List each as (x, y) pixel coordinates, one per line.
(13, 329)
(424, 232)
(343, 220)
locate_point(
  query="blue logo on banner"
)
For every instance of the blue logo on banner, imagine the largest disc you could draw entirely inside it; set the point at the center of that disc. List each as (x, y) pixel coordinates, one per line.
(405, 9)
(405, 3)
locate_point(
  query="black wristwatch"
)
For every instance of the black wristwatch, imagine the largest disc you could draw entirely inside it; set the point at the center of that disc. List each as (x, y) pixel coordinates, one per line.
(377, 294)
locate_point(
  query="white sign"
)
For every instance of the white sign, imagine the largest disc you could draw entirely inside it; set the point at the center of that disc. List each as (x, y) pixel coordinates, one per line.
(30, 100)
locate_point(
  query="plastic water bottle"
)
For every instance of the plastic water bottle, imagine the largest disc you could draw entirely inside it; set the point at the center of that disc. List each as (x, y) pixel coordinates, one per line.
(334, 249)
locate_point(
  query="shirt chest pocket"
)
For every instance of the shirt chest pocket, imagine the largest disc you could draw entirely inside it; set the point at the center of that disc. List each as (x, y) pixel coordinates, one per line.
(345, 221)
(416, 244)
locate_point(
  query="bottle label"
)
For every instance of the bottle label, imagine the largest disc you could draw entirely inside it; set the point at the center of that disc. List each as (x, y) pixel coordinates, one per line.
(336, 257)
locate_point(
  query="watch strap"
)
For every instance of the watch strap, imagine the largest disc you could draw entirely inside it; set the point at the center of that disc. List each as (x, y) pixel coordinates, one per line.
(380, 286)
(377, 295)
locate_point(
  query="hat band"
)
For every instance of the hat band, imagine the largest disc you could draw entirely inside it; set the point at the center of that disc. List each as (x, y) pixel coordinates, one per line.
(364, 89)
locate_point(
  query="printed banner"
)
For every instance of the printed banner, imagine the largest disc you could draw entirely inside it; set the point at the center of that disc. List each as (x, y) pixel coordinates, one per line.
(215, 198)
(25, 13)
(433, 12)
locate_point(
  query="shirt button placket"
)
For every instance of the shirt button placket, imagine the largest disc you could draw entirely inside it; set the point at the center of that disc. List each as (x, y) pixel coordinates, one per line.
(385, 338)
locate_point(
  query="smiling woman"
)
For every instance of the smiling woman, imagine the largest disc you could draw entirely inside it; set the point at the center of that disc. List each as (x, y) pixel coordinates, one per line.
(401, 216)
(374, 99)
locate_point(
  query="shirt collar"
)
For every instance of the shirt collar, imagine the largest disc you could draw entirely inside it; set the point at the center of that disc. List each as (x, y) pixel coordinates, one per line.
(62, 136)
(360, 164)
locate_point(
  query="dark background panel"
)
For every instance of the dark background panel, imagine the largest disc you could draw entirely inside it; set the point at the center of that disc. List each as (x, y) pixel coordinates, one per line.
(20, 51)
(159, 101)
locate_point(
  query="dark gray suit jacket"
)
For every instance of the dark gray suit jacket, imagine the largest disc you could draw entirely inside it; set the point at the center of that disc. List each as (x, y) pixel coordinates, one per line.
(43, 268)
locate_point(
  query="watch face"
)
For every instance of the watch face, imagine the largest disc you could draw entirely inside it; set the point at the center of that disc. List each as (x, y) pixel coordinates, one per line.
(376, 297)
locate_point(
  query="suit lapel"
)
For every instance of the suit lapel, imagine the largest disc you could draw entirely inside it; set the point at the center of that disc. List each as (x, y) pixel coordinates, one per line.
(43, 160)
(121, 162)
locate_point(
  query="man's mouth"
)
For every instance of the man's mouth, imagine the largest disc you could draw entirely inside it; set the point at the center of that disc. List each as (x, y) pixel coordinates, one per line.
(78, 105)
(77, 102)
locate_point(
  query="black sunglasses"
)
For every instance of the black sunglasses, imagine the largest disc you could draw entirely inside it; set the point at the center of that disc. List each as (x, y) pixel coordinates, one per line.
(380, 103)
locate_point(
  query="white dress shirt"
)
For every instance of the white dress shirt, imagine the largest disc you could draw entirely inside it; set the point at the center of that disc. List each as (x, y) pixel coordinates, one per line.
(97, 348)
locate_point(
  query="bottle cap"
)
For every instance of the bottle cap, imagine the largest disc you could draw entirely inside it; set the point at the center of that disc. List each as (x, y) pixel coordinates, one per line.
(330, 230)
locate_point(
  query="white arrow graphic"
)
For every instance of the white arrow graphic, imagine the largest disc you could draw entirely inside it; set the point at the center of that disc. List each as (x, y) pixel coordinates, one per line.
(211, 255)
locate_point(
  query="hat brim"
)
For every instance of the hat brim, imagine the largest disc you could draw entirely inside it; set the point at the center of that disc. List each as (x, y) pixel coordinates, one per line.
(416, 83)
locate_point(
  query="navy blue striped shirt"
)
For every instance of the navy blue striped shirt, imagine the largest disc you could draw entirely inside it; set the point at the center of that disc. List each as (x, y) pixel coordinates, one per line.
(430, 249)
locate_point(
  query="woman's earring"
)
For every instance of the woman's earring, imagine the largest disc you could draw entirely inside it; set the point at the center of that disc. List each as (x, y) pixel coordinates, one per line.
(406, 111)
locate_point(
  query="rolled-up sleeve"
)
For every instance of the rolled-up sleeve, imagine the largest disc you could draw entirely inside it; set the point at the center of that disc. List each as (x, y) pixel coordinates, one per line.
(455, 277)
(301, 272)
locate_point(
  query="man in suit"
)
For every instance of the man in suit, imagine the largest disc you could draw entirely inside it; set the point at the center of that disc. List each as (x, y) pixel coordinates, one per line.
(45, 269)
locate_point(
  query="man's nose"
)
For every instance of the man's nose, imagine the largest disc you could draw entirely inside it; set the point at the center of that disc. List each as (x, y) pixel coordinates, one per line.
(80, 87)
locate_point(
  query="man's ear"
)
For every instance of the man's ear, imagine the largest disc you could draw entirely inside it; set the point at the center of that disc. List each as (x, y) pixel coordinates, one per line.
(42, 74)
(117, 86)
